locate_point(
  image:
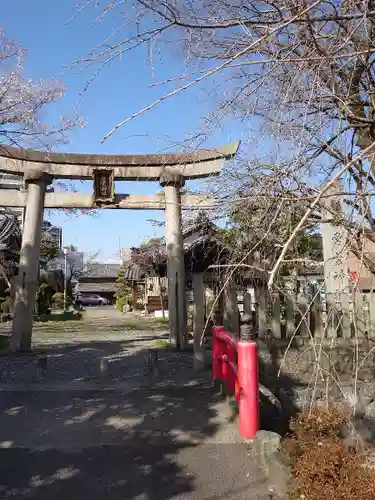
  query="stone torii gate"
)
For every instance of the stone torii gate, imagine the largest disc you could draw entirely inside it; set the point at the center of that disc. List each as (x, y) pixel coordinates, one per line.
(38, 170)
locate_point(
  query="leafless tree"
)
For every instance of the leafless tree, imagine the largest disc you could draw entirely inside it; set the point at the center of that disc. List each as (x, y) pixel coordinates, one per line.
(298, 73)
(22, 102)
(77, 267)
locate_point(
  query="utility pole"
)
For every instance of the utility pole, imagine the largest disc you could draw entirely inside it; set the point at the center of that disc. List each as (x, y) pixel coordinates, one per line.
(65, 250)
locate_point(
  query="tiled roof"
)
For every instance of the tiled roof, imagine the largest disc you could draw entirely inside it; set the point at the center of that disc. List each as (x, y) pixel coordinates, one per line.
(100, 287)
(134, 273)
(205, 226)
(101, 270)
(202, 239)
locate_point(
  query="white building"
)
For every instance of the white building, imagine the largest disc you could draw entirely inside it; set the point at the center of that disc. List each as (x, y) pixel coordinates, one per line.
(53, 232)
(74, 263)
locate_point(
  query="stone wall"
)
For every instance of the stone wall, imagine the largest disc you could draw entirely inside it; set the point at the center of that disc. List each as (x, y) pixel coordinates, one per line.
(316, 373)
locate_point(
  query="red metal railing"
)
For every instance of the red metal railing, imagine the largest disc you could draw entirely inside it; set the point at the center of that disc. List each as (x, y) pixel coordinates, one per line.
(235, 364)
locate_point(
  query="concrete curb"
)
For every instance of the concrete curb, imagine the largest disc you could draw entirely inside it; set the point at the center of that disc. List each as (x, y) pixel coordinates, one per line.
(273, 461)
(97, 386)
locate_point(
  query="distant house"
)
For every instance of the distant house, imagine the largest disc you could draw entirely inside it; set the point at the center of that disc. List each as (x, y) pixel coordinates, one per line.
(99, 279)
(358, 271)
(201, 247)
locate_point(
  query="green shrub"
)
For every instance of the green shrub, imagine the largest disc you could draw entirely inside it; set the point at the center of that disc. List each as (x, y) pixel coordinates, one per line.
(61, 316)
(44, 298)
(58, 300)
(162, 321)
(4, 342)
(122, 301)
(190, 318)
(6, 306)
(161, 344)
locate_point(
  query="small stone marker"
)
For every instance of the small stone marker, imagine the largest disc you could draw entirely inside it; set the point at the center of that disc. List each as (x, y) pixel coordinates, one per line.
(103, 367)
(273, 461)
(267, 443)
(42, 363)
(153, 362)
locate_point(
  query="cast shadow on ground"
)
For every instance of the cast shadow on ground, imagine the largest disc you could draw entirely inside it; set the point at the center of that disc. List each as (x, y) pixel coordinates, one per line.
(282, 385)
(142, 437)
(94, 444)
(119, 444)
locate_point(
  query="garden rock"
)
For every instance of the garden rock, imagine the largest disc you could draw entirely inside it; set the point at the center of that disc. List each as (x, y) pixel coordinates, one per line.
(370, 411)
(274, 462)
(266, 443)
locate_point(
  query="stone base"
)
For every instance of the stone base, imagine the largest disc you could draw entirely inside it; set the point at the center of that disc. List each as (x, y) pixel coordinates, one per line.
(274, 463)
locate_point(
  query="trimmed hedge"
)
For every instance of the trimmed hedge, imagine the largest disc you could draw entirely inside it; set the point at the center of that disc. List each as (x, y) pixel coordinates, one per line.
(58, 300)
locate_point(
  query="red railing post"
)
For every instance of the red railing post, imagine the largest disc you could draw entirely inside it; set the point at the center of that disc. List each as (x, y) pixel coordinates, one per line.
(248, 381)
(235, 365)
(218, 350)
(231, 374)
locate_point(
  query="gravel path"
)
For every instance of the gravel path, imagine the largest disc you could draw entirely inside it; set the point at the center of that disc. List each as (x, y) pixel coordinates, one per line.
(96, 425)
(104, 347)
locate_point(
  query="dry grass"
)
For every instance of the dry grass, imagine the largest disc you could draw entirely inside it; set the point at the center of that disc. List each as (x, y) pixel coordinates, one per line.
(324, 467)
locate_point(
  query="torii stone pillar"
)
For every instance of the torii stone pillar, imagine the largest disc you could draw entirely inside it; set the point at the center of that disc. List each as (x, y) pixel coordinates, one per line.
(177, 310)
(27, 279)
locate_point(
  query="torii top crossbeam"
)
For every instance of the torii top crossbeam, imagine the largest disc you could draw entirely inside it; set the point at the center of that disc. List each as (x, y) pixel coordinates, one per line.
(199, 164)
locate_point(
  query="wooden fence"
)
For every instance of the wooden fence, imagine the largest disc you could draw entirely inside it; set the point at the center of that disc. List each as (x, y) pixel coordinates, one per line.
(285, 315)
(152, 287)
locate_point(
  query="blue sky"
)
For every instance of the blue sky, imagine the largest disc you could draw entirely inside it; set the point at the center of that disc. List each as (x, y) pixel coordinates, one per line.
(40, 26)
